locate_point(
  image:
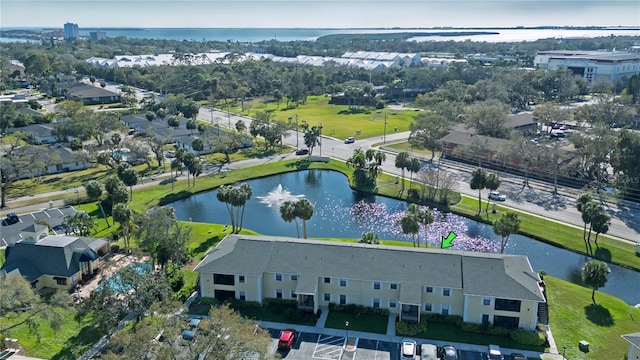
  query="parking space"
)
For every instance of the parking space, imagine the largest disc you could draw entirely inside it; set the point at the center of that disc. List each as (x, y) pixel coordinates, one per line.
(377, 350)
(328, 347)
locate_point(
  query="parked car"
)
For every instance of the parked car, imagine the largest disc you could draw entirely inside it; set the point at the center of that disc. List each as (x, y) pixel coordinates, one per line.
(516, 356)
(302, 151)
(188, 334)
(497, 196)
(448, 352)
(408, 351)
(428, 352)
(12, 218)
(350, 140)
(287, 338)
(494, 353)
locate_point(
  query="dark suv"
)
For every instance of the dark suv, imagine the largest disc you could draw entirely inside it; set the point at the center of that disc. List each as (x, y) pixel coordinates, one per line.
(12, 218)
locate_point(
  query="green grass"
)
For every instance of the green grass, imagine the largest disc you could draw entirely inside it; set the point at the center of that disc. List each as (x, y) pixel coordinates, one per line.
(573, 318)
(69, 342)
(555, 233)
(265, 314)
(337, 120)
(358, 322)
(405, 146)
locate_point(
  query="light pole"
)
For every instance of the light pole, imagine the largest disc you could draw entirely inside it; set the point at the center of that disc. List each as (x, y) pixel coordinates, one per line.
(564, 350)
(229, 114)
(346, 324)
(384, 136)
(297, 145)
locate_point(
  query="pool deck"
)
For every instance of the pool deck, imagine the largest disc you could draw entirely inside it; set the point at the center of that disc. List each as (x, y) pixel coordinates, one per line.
(109, 266)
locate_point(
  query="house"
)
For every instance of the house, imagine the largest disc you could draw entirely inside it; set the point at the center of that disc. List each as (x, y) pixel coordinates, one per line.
(185, 141)
(37, 133)
(53, 217)
(52, 159)
(499, 289)
(455, 142)
(57, 262)
(88, 94)
(634, 345)
(522, 122)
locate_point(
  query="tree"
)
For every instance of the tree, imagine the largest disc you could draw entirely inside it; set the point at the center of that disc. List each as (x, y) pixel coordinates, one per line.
(123, 215)
(427, 130)
(506, 225)
(92, 79)
(488, 118)
(478, 182)
(312, 136)
(594, 275)
(197, 144)
(20, 302)
(163, 237)
(195, 168)
(402, 162)
(600, 224)
(492, 183)
(304, 210)
(116, 190)
(369, 238)
(624, 160)
(173, 122)
(366, 166)
(235, 199)
(413, 218)
(192, 124)
(581, 201)
(288, 214)
(93, 190)
(413, 167)
(129, 177)
(80, 223)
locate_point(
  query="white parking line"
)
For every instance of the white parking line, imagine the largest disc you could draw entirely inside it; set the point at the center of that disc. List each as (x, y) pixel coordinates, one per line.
(327, 347)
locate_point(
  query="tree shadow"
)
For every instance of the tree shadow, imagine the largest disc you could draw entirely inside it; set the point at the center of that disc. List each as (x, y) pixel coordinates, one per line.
(209, 243)
(599, 315)
(602, 254)
(76, 345)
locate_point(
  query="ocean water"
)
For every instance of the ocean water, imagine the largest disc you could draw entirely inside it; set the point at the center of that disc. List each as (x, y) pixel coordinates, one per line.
(302, 34)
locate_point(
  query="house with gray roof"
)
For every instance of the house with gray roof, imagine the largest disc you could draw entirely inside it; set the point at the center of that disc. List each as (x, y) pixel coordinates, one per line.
(37, 133)
(88, 94)
(634, 345)
(495, 288)
(53, 261)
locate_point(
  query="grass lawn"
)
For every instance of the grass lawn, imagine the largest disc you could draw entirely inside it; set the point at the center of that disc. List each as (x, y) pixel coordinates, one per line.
(69, 342)
(555, 233)
(405, 146)
(573, 317)
(337, 120)
(266, 314)
(358, 322)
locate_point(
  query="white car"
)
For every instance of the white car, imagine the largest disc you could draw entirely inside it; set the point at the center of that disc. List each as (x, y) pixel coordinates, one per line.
(497, 196)
(409, 349)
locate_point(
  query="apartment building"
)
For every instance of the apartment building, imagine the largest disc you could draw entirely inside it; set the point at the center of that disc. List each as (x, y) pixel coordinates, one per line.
(499, 289)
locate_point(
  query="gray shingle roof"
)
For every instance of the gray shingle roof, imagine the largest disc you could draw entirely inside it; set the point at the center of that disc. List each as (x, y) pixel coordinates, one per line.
(506, 276)
(633, 339)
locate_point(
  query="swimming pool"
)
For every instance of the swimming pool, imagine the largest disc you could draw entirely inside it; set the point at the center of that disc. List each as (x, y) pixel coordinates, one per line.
(116, 282)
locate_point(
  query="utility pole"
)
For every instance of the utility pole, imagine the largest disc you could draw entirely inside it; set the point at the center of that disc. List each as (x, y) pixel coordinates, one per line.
(384, 136)
(297, 145)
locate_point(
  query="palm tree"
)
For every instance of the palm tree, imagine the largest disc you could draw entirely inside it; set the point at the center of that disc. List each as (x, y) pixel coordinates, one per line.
(478, 182)
(589, 213)
(413, 218)
(492, 183)
(409, 225)
(402, 162)
(508, 224)
(288, 214)
(594, 275)
(582, 200)
(413, 167)
(123, 215)
(601, 224)
(304, 210)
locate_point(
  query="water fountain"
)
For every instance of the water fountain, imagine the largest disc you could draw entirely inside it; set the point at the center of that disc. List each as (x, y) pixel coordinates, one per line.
(278, 196)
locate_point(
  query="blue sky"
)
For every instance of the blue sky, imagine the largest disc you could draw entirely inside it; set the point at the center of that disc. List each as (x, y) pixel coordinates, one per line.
(317, 13)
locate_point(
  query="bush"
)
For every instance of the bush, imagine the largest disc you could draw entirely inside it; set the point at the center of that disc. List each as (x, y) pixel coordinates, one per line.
(527, 337)
(498, 330)
(413, 195)
(358, 309)
(242, 304)
(176, 280)
(411, 329)
(472, 328)
(185, 292)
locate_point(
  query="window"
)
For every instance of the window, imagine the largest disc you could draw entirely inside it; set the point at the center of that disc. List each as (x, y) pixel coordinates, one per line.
(278, 277)
(376, 285)
(343, 299)
(278, 293)
(486, 301)
(327, 297)
(327, 280)
(444, 309)
(428, 289)
(446, 292)
(343, 282)
(241, 279)
(60, 280)
(507, 305)
(294, 277)
(375, 302)
(428, 307)
(392, 303)
(222, 279)
(485, 319)
(294, 295)
(242, 295)
(393, 286)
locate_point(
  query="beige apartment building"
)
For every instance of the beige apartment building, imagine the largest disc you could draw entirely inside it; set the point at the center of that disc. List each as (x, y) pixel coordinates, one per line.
(502, 290)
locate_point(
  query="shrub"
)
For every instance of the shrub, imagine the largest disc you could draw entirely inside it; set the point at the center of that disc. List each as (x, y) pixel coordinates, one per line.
(498, 330)
(413, 195)
(185, 292)
(472, 328)
(411, 329)
(176, 280)
(240, 304)
(527, 337)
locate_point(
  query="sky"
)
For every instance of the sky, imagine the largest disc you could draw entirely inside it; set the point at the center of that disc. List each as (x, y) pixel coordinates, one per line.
(317, 13)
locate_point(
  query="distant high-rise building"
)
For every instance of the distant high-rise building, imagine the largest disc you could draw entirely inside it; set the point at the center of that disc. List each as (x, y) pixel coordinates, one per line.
(97, 35)
(71, 31)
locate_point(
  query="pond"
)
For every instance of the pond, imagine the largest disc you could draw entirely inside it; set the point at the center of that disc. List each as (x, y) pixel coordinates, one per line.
(341, 212)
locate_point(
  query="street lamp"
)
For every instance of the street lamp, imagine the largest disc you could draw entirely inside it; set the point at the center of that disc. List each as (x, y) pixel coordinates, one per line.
(384, 136)
(346, 324)
(564, 350)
